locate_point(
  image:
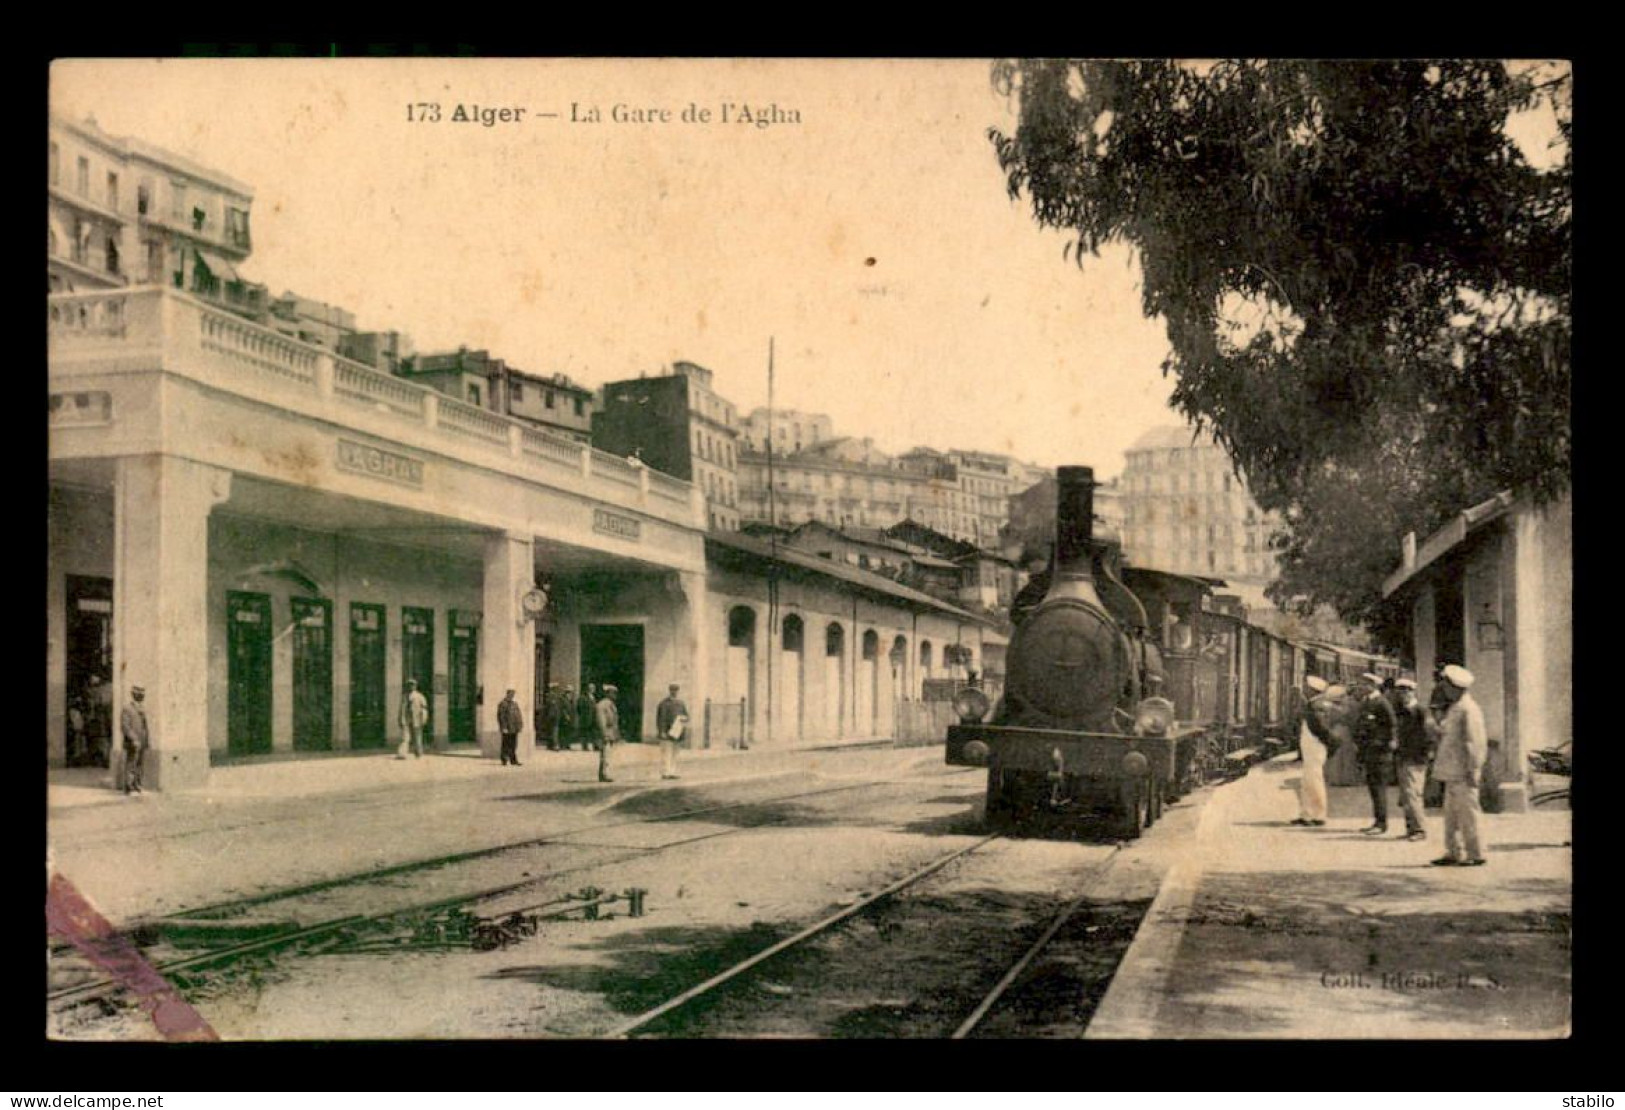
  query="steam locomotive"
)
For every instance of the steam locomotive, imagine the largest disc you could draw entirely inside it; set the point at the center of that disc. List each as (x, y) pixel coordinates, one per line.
(1126, 687)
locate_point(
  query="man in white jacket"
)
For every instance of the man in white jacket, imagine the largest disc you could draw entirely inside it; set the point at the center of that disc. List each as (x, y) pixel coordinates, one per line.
(1312, 785)
(1459, 764)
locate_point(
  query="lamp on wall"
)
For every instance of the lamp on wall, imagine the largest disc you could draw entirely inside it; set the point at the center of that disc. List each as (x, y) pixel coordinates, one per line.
(1491, 636)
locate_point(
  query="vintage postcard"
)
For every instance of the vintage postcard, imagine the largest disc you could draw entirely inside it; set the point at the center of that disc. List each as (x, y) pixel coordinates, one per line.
(676, 548)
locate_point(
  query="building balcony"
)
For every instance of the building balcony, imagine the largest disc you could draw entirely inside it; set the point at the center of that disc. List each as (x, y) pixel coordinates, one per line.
(106, 334)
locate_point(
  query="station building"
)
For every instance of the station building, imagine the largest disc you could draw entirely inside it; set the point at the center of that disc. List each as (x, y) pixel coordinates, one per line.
(272, 538)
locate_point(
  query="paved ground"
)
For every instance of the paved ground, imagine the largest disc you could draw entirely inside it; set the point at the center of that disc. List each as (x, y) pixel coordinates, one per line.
(1273, 930)
(266, 825)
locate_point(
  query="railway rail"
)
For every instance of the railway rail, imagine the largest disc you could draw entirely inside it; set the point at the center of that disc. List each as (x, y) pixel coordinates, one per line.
(103, 986)
(974, 1019)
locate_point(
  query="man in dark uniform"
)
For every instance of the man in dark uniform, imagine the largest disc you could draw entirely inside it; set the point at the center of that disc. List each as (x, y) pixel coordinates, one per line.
(671, 723)
(547, 721)
(510, 722)
(133, 723)
(568, 718)
(587, 717)
(1418, 737)
(1376, 735)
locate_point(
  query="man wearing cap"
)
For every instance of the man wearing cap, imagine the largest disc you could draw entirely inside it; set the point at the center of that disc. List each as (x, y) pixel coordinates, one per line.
(608, 721)
(1463, 747)
(1312, 747)
(567, 718)
(133, 723)
(510, 722)
(1376, 735)
(671, 722)
(587, 717)
(414, 719)
(1418, 736)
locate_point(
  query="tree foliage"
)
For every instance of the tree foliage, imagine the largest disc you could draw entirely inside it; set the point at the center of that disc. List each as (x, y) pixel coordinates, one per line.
(1365, 282)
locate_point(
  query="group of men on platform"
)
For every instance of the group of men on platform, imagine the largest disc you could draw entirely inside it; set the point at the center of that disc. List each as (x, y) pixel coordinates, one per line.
(591, 721)
(1395, 735)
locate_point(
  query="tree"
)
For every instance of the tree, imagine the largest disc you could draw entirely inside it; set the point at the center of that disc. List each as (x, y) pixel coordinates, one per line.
(1365, 281)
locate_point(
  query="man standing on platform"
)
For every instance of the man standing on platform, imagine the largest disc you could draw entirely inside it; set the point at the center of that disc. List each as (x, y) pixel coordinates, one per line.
(567, 718)
(671, 721)
(414, 719)
(1418, 735)
(1376, 735)
(1312, 747)
(608, 720)
(133, 723)
(1463, 747)
(510, 722)
(587, 717)
(547, 717)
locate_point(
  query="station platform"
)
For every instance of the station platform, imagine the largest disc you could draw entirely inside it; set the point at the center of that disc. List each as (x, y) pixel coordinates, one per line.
(1265, 929)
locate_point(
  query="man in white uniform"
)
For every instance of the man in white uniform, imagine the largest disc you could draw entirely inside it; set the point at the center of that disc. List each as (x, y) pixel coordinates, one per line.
(1459, 764)
(1312, 785)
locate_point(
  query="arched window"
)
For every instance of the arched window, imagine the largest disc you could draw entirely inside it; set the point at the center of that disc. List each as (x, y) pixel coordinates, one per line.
(925, 656)
(741, 626)
(793, 633)
(871, 645)
(834, 640)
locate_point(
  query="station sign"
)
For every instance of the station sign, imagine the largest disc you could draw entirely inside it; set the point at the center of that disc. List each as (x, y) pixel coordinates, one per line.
(614, 524)
(358, 458)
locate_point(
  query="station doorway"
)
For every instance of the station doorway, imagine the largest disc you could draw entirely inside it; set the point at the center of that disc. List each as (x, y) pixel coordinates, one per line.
(248, 673)
(463, 665)
(417, 658)
(612, 654)
(89, 708)
(367, 695)
(312, 674)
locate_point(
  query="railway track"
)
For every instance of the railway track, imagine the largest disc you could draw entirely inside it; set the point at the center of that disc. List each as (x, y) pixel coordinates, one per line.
(86, 986)
(976, 1016)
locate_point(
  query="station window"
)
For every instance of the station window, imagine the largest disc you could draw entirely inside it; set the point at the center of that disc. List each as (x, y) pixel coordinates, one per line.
(81, 182)
(516, 392)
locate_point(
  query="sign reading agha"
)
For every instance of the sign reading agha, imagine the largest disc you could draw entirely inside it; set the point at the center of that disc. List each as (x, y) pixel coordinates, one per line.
(361, 459)
(614, 524)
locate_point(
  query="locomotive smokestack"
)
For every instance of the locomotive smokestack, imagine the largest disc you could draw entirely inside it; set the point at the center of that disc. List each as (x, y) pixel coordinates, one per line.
(1074, 520)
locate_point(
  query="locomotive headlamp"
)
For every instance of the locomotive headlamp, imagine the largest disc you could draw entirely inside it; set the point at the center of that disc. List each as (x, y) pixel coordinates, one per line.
(1155, 717)
(971, 705)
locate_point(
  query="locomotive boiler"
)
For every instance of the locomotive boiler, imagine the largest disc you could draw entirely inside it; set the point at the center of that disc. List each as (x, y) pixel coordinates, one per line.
(1081, 725)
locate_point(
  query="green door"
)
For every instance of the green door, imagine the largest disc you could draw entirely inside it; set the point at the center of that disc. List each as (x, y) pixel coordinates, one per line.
(248, 673)
(463, 678)
(417, 657)
(312, 674)
(367, 700)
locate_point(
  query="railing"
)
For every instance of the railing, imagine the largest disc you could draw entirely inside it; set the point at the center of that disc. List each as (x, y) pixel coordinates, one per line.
(615, 469)
(238, 339)
(665, 485)
(85, 315)
(551, 447)
(356, 382)
(81, 324)
(468, 420)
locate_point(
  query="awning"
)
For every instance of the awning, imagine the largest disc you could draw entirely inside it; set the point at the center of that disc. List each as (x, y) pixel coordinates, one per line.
(218, 265)
(1452, 535)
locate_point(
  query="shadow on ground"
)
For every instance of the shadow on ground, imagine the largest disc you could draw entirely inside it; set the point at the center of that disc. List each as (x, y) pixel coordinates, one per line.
(1350, 953)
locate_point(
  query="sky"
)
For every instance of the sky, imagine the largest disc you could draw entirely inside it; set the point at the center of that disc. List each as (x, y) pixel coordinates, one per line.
(873, 241)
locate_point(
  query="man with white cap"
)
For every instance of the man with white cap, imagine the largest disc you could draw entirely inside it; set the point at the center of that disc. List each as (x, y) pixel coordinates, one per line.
(1312, 786)
(1463, 747)
(1418, 735)
(1375, 737)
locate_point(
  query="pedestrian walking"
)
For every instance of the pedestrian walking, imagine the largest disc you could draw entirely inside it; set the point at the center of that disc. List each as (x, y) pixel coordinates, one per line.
(587, 717)
(414, 720)
(1459, 764)
(79, 753)
(1375, 737)
(1418, 736)
(133, 724)
(1313, 746)
(671, 721)
(608, 723)
(510, 722)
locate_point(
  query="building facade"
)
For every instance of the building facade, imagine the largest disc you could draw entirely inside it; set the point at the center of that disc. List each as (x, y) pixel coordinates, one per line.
(791, 431)
(123, 212)
(555, 403)
(1185, 510)
(677, 423)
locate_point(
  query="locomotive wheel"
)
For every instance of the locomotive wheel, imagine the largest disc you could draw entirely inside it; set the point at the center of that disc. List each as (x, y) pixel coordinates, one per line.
(998, 806)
